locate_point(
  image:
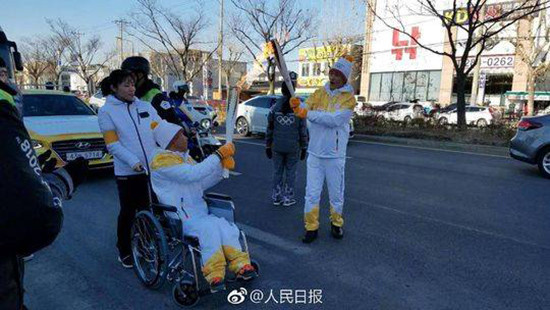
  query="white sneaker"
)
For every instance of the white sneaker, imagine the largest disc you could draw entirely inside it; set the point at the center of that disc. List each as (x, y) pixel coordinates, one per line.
(126, 262)
(28, 258)
(289, 202)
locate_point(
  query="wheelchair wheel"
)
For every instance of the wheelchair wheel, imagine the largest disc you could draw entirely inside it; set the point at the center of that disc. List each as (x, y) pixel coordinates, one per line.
(149, 250)
(256, 265)
(184, 294)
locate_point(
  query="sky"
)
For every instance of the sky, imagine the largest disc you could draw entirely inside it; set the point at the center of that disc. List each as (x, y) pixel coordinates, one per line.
(27, 18)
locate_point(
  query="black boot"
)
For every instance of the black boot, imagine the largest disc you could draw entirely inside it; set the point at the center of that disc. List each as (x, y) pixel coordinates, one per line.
(310, 236)
(336, 232)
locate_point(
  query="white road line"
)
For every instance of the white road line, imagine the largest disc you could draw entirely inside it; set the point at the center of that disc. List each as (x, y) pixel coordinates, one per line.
(428, 149)
(274, 240)
(459, 226)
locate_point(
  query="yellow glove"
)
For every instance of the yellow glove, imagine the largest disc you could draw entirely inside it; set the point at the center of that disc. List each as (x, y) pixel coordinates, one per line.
(226, 150)
(294, 102)
(228, 163)
(300, 112)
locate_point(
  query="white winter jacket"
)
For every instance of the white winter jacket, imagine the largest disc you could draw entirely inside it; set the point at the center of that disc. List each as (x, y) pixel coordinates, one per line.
(180, 182)
(127, 132)
(329, 114)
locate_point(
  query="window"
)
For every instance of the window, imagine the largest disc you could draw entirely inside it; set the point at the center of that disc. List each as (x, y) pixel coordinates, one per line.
(397, 87)
(316, 69)
(374, 90)
(261, 102)
(305, 70)
(385, 88)
(51, 105)
(421, 85)
(433, 85)
(409, 86)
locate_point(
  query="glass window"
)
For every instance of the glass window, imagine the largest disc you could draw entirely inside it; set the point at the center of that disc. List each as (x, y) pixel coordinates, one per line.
(397, 87)
(433, 86)
(409, 84)
(421, 85)
(305, 69)
(374, 90)
(316, 69)
(385, 89)
(50, 105)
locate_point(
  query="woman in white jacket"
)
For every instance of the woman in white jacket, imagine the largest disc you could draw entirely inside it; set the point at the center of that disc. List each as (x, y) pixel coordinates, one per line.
(125, 122)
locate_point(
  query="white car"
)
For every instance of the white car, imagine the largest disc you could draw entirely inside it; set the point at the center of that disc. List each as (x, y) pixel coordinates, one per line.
(252, 114)
(402, 112)
(97, 100)
(475, 115)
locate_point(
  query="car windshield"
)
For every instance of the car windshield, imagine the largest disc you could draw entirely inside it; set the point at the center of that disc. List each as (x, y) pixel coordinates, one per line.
(51, 105)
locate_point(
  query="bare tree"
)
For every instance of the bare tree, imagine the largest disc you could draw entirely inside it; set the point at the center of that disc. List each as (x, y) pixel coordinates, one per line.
(258, 22)
(477, 19)
(159, 66)
(229, 65)
(176, 37)
(54, 48)
(338, 46)
(36, 63)
(84, 55)
(532, 50)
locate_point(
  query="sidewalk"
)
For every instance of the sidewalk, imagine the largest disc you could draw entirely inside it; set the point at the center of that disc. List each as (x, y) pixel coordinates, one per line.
(452, 146)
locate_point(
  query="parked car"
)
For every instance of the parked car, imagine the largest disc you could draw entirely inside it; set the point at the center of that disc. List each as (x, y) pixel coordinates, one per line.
(383, 107)
(61, 122)
(97, 100)
(475, 115)
(531, 144)
(402, 112)
(252, 115)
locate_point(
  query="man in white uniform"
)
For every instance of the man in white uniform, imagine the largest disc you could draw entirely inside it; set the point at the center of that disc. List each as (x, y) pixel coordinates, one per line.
(179, 181)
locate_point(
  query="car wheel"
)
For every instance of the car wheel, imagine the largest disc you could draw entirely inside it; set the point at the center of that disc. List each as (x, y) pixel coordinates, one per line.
(407, 120)
(443, 121)
(481, 122)
(543, 162)
(243, 128)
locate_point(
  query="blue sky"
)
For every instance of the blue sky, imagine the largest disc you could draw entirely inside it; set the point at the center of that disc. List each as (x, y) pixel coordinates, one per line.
(27, 18)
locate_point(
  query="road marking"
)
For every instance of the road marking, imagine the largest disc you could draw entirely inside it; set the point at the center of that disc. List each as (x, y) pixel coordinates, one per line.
(235, 173)
(428, 149)
(275, 240)
(459, 226)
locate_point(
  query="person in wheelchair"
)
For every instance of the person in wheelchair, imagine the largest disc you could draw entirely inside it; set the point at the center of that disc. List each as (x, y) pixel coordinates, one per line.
(179, 181)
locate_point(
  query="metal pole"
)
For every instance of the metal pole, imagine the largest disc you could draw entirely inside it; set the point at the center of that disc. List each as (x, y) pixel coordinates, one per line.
(220, 52)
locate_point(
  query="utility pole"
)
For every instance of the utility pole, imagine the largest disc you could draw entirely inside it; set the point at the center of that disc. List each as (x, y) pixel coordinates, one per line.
(220, 52)
(121, 23)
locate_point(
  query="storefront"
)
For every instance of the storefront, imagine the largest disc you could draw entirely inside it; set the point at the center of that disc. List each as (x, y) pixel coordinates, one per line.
(398, 69)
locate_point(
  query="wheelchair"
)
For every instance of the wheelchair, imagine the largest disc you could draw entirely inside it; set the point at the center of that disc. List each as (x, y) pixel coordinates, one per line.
(162, 253)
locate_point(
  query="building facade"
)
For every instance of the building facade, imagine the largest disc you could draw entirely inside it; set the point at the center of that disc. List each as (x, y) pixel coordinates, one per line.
(314, 64)
(395, 68)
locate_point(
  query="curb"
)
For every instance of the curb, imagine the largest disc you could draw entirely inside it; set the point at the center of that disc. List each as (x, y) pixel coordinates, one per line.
(442, 145)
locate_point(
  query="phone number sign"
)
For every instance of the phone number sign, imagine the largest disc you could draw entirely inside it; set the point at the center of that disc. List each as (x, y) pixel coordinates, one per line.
(493, 61)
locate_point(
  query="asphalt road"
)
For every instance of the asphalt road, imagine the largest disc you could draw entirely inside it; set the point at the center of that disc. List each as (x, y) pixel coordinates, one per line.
(424, 229)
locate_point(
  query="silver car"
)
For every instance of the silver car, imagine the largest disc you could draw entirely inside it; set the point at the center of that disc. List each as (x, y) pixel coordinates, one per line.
(531, 144)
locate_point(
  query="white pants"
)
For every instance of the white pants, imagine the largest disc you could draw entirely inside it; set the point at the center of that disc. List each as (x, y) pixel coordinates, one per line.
(218, 240)
(319, 169)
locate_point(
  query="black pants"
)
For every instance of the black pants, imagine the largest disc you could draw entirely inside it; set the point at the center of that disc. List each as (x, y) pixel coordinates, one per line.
(133, 193)
(11, 282)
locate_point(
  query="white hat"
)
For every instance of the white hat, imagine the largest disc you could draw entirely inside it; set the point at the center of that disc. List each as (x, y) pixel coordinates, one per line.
(344, 65)
(164, 132)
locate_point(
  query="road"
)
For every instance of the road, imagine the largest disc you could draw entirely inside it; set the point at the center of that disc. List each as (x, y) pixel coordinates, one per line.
(425, 229)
